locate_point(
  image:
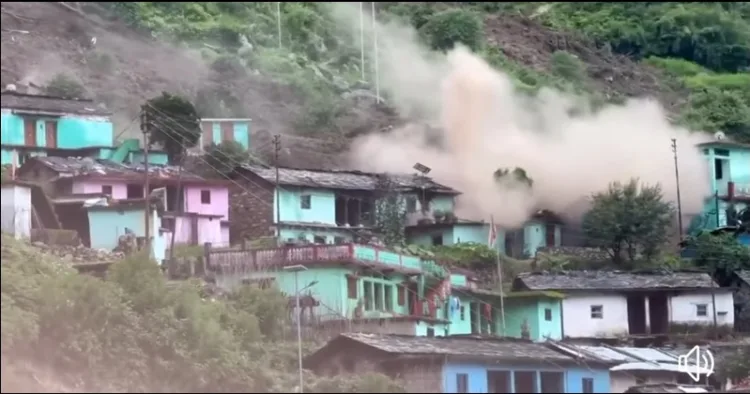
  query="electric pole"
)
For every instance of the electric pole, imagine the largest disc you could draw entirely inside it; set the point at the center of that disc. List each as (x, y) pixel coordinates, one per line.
(677, 179)
(277, 203)
(145, 126)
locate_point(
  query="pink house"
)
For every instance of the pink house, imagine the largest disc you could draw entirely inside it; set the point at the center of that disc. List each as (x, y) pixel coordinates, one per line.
(194, 209)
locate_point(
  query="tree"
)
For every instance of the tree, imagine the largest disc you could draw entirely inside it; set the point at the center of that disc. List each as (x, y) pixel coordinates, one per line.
(444, 29)
(629, 218)
(720, 254)
(224, 157)
(173, 122)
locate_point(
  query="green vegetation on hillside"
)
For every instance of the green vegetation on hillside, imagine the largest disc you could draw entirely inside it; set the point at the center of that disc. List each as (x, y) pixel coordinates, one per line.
(321, 63)
(136, 332)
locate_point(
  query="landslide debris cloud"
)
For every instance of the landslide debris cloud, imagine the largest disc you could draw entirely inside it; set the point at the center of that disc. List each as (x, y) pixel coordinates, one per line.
(486, 124)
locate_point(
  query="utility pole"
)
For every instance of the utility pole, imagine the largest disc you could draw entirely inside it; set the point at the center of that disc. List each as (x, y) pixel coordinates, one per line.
(362, 39)
(145, 125)
(278, 20)
(375, 53)
(277, 203)
(677, 179)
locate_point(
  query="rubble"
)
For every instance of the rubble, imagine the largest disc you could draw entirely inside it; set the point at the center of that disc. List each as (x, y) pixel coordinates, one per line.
(78, 254)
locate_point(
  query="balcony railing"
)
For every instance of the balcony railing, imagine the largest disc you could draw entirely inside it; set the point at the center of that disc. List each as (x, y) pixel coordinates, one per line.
(737, 188)
(276, 258)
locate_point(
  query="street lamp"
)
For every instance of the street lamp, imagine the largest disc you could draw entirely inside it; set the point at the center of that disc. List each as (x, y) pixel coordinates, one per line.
(296, 269)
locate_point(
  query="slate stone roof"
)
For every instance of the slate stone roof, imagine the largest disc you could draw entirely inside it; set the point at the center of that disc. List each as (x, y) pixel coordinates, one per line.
(57, 105)
(70, 167)
(744, 275)
(502, 349)
(343, 180)
(612, 280)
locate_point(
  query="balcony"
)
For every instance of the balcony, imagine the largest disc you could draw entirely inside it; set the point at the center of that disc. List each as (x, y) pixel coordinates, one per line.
(236, 261)
(738, 189)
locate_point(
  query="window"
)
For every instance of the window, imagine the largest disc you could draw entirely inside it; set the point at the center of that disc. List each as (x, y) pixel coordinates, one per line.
(721, 152)
(134, 191)
(339, 240)
(205, 197)
(401, 295)
(378, 294)
(547, 314)
(305, 201)
(462, 383)
(587, 384)
(718, 169)
(462, 312)
(597, 312)
(552, 382)
(319, 240)
(411, 205)
(107, 189)
(430, 333)
(701, 310)
(437, 240)
(351, 287)
(368, 295)
(388, 296)
(525, 381)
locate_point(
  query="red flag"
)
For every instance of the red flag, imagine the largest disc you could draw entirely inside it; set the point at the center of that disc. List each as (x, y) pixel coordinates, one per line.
(493, 233)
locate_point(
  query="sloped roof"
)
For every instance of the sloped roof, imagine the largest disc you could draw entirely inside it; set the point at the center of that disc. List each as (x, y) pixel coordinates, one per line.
(744, 275)
(343, 179)
(57, 105)
(613, 280)
(80, 167)
(500, 349)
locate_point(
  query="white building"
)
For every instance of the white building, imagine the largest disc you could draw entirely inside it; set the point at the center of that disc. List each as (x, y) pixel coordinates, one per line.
(616, 303)
(15, 211)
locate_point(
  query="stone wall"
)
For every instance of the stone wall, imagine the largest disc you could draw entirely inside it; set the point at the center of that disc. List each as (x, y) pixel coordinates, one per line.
(250, 208)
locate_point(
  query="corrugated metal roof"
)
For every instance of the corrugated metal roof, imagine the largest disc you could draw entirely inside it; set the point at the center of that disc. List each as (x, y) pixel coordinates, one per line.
(647, 354)
(344, 180)
(613, 280)
(607, 354)
(56, 105)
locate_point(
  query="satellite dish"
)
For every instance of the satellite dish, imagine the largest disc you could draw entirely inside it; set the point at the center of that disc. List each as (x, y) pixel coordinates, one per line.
(720, 136)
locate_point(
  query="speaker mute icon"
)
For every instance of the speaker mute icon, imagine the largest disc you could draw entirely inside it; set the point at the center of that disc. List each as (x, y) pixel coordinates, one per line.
(696, 362)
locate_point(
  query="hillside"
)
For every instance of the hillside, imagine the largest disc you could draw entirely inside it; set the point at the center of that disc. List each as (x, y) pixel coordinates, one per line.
(227, 56)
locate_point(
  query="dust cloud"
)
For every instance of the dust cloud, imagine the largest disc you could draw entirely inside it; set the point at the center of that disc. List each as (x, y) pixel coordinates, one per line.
(485, 124)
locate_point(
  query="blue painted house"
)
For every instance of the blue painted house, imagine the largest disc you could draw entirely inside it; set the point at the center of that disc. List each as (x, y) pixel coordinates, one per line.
(32, 125)
(38, 125)
(543, 229)
(461, 364)
(218, 130)
(729, 165)
(108, 221)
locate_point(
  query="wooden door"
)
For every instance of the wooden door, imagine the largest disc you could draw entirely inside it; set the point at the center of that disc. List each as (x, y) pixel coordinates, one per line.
(227, 131)
(29, 132)
(550, 235)
(51, 131)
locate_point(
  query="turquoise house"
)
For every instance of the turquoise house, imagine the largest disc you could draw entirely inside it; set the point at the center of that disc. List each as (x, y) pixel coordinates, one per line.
(35, 124)
(376, 289)
(533, 315)
(218, 130)
(543, 229)
(108, 222)
(329, 207)
(729, 166)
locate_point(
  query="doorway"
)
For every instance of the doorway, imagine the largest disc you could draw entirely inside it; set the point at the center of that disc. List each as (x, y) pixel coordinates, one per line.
(658, 311)
(498, 382)
(637, 315)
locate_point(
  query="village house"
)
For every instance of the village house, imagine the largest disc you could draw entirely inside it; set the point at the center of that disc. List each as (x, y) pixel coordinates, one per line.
(218, 130)
(39, 125)
(461, 364)
(323, 207)
(616, 303)
(544, 229)
(71, 187)
(741, 284)
(729, 165)
(631, 366)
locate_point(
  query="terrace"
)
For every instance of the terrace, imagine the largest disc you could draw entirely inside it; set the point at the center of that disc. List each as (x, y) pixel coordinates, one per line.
(738, 190)
(233, 261)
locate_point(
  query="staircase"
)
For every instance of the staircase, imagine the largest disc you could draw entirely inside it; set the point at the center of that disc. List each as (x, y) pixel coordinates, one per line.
(44, 213)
